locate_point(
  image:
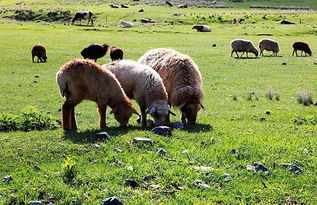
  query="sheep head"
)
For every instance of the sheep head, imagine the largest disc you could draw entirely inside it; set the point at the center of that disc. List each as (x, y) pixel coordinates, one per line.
(123, 112)
(189, 112)
(160, 113)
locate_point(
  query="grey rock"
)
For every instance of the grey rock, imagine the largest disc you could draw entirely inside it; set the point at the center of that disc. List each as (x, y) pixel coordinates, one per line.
(35, 203)
(178, 125)
(227, 177)
(143, 140)
(234, 151)
(286, 164)
(261, 167)
(74, 201)
(7, 178)
(295, 169)
(103, 135)
(161, 152)
(162, 130)
(112, 201)
(36, 168)
(154, 186)
(201, 184)
(117, 150)
(96, 146)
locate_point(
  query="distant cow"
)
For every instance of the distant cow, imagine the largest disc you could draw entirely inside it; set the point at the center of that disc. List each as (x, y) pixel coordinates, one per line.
(40, 52)
(301, 46)
(234, 21)
(83, 15)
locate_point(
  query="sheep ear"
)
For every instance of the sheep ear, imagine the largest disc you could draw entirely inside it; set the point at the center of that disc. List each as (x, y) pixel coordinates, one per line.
(152, 110)
(181, 105)
(203, 106)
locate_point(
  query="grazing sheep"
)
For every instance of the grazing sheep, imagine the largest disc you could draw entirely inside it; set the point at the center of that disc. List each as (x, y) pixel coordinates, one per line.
(116, 53)
(125, 24)
(169, 3)
(95, 51)
(83, 15)
(114, 6)
(147, 21)
(245, 46)
(182, 6)
(141, 9)
(181, 78)
(80, 80)
(234, 21)
(301, 46)
(269, 45)
(40, 52)
(202, 28)
(143, 84)
(124, 6)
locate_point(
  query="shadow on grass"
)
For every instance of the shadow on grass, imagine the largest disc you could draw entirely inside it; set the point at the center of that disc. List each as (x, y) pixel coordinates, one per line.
(89, 136)
(246, 58)
(198, 128)
(270, 56)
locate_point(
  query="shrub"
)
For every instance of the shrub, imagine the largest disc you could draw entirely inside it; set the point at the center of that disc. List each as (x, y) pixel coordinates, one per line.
(311, 120)
(270, 94)
(29, 119)
(69, 170)
(305, 97)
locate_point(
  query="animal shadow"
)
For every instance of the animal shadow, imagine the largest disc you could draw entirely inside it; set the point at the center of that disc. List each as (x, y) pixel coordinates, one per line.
(198, 128)
(246, 58)
(89, 136)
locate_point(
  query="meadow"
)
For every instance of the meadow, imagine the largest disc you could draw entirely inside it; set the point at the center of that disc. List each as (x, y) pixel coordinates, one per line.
(239, 127)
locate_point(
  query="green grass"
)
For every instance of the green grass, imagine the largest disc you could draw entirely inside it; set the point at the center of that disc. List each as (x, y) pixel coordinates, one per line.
(225, 125)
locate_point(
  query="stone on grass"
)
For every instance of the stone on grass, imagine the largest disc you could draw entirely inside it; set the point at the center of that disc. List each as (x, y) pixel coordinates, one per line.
(112, 201)
(154, 186)
(227, 177)
(117, 150)
(234, 151)
(35, 203)
(161, 152)
(201, 184)
(261, 167)
(178, 125)
(130, 168)
(143, 140)
(36, 168)
(162, 130)
(103, 135)
(267, 112)
(96, 146)
(7, 178)
(295, 169)
(203, 168)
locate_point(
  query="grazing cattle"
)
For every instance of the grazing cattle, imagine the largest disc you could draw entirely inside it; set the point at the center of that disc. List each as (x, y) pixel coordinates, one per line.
(116, 53)
(40, 52)
(94, 51)
(301, 46)
(83, 15)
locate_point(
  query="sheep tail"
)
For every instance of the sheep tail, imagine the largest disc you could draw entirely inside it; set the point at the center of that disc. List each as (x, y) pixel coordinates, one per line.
(63, 86)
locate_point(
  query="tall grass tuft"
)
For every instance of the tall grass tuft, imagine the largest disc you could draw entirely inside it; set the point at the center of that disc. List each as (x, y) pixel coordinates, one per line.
(304, 97)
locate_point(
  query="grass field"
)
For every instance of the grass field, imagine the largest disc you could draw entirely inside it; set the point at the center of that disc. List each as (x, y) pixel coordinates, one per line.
(227, 124)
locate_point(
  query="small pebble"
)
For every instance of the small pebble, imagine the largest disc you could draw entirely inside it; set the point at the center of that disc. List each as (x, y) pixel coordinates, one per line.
(35, 203)
(96, 146)
(7, 178)
(234, 151)
(36, 168)
(117, 150)
(112, 201)
(36, 76)
(201, 184)
(178, 125)
(162, 130)
(103, 135)
(154, 186)
(130, 168)
(144, 140)
(214, 45)
(262, 118)
(161, 152)
(284, 63)
(267, 112)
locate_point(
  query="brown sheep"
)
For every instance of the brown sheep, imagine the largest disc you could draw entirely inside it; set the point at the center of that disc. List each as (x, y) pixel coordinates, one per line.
(40, 52)
(301, 46)
(181, 78)
(83, 15)
(116, 53)
(80, 80)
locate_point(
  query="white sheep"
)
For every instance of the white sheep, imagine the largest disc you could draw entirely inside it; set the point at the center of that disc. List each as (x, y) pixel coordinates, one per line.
(80, 80)
(245, 46)
(142, 83)
(202, 28)
(125, 24)
(268, 45)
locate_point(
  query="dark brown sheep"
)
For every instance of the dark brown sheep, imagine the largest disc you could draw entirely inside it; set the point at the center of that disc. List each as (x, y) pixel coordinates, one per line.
(301, 46)
(116, 53)
(169, 3)
(95, 51)
(114, 6)
(40, 52)
(83, 15)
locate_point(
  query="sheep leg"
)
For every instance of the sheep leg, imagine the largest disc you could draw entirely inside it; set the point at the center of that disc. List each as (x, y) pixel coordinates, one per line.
(73, 119)
(293, 52)
(237, 54)
(67, 114)
(32, 58)
(183, 118)
(232, 53)
(102, 115)
(301, 54)
(143, 115)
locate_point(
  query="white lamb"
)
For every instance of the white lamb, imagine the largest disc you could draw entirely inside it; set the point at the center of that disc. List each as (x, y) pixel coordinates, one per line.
(245, 46)
(268, 45)
(142, 83)
(125, 24)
